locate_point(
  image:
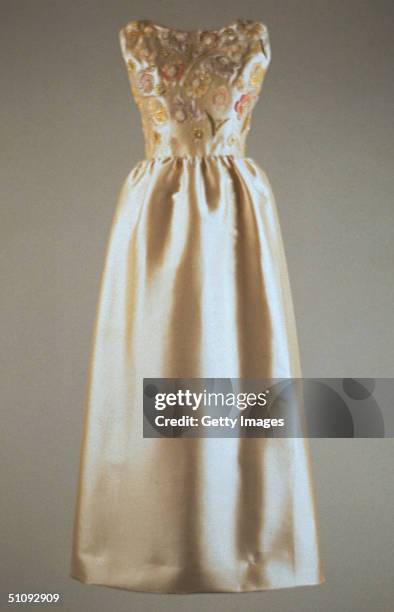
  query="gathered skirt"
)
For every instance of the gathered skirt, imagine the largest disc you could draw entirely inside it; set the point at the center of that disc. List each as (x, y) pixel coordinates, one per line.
(195, 284)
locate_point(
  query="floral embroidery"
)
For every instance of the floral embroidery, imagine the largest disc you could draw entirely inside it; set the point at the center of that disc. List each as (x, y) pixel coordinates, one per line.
(216, 124)
(223, 66)
(198, 84)
(208, 39)
(256, 75)
(137, 36)
(221, 97)
(229, 35)
(183, 109)
(145, 81)
(198, 133)
(177, 42)
(205, 81)
(172, 72)
(157, 111)
(136, 30)
(241, 105)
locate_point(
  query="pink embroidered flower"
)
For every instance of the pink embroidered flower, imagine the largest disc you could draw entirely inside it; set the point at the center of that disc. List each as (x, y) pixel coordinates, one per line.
(172, 72)
(145, 81)
(242, 105)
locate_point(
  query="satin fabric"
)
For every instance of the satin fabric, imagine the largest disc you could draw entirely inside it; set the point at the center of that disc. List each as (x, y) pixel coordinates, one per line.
(195, 284)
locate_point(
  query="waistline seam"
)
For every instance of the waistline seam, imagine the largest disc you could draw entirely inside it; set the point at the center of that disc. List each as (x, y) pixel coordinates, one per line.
(192, 157)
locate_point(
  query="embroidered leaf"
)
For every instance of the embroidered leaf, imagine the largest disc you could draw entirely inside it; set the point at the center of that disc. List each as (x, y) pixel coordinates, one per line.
(220, 123)
(216, 124)
(246, 123)
(212, 122)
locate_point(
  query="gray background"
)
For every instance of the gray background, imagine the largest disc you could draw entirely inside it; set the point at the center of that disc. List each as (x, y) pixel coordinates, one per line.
(322, 131)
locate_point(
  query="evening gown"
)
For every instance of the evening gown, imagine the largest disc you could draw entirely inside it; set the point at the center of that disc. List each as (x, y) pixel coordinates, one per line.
(195, 284)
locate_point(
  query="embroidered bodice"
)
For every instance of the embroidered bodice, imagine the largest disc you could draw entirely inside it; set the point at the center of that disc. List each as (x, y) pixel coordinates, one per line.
(195, 89)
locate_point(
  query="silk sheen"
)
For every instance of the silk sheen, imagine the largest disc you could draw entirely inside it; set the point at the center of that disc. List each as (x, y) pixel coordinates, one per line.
(195, 284)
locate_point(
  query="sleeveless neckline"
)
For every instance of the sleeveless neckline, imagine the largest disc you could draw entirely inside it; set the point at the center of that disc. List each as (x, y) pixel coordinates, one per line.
(178, 31)
(159, 26)
(195, 89)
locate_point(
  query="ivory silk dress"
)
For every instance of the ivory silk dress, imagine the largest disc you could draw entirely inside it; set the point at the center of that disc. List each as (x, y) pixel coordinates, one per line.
(194, 285)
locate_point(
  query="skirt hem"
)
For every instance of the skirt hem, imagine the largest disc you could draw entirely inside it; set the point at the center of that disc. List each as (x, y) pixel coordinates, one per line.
(297, 583)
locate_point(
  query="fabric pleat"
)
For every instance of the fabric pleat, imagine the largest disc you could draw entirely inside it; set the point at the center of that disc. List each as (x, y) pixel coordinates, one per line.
(195, 285)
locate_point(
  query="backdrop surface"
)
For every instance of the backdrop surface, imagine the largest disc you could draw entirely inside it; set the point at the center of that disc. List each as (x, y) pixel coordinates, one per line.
(322, 130)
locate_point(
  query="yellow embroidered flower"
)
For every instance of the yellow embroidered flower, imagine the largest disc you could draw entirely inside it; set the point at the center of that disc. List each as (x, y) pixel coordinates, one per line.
(198, 85)
(198, 134)
(231, 140)
(157, 111)
(256, 75)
